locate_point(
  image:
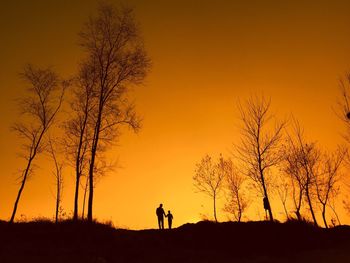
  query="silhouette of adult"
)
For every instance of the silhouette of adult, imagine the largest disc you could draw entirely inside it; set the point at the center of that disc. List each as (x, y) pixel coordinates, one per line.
(170, 219)
(160, 214)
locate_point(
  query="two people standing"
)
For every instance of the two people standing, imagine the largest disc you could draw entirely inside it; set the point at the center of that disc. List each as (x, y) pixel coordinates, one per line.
(160, 215)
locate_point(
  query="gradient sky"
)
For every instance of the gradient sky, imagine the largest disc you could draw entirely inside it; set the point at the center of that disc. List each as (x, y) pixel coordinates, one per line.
(206, 55)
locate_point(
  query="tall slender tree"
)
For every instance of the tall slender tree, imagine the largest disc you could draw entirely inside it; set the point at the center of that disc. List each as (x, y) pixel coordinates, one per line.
(78, 127)
(58, 174)
(115, 50)
(260, 149)
(39, 108)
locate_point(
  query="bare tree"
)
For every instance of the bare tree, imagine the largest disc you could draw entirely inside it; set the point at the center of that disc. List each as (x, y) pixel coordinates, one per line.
(343, 113)
(259, 150)
(78, 126)
(237, 200)
(283, 190)
(115, 50)
(292, 168)
(332, 204)
(57, 172)
(40, 107)
(209, 177)
(303, 165)
(326, 181)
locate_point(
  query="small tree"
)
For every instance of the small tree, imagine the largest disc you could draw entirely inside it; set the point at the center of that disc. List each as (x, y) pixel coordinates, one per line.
(40, 107)
(302, 162)
(209, 178)
(237, 202)
(57, 172)
(292, 168)
(283, 190)
(259, 150)
(326, 182)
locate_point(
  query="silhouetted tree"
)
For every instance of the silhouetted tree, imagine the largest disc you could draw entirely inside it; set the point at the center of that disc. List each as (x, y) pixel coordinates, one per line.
(259, 150)
(303, 165)
(293, 169)
(78, 128)
(327, 180)
(40, 107)
(283, 190)
(237, 200)
(332, 204)
(344, 113)
(57, 172)
(115, 50)
(209, 178)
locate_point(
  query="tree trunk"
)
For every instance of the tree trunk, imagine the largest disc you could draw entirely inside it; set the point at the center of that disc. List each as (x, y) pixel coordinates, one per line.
(84, 198)
(261, 171)
(265, 193)
(285, 210)
(92, 164)
(324, 215)
(299, 206)
(21, 189)
(239, 207)
(76, 196)
(336, 214)
(310, 206)
(216, 220)
(91, 187)
(17, 199)
(79, 161)
(58, 198)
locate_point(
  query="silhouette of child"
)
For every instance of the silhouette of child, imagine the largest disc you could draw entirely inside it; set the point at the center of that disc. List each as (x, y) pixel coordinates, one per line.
(170, 219)
(160, 214)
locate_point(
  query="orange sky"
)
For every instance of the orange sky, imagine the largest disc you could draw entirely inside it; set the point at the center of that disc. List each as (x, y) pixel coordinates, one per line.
(206, 55)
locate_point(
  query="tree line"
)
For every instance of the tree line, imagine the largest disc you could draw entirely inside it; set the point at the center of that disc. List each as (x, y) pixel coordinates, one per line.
(275, 158)
(96, 102)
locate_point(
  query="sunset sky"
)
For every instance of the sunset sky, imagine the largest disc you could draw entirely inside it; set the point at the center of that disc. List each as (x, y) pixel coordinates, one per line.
(206, 55)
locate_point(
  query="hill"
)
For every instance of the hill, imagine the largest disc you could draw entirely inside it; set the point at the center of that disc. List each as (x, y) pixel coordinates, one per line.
(202, 242)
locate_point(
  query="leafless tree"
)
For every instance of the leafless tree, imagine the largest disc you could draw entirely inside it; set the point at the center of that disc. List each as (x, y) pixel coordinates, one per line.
(259, 150)
(79, 125)
(237, 200)
(293, 169)
(327, 181)
(209, 177)
(303, 165)
(39, 108)
(343, 113)
(115, 50)
(333, 204)
(57, 172)
(283, 190)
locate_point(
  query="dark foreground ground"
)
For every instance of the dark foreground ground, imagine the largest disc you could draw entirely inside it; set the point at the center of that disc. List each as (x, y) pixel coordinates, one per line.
(202, 242)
